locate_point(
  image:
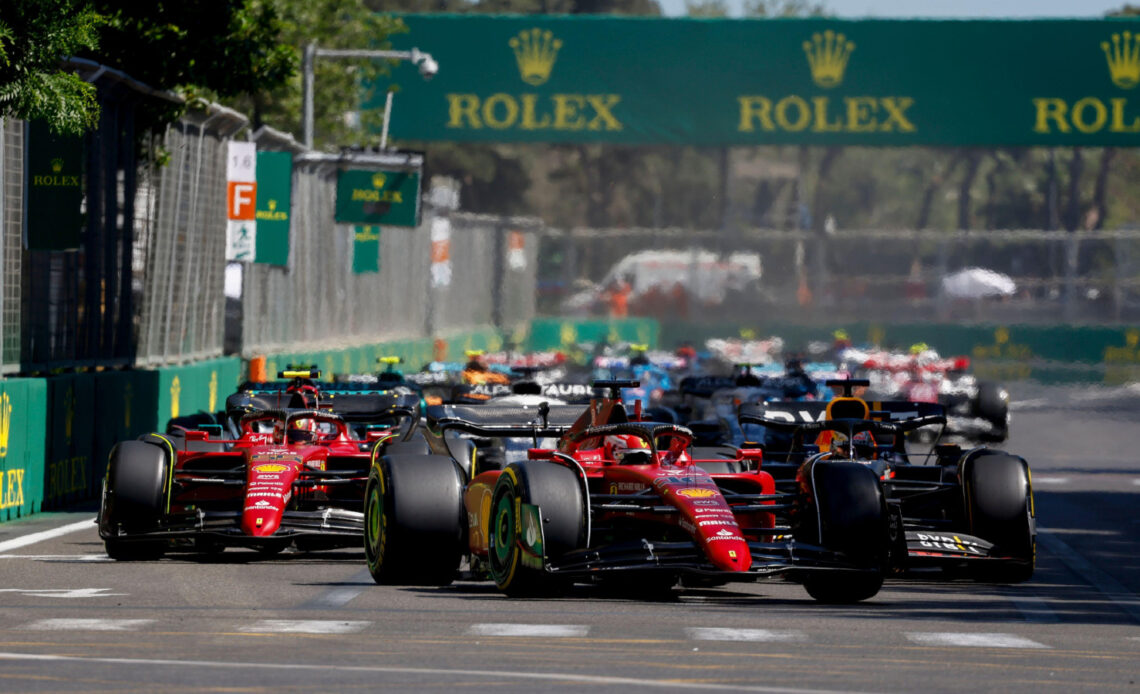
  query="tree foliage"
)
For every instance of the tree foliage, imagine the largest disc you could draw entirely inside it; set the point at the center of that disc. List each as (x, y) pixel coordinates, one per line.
(34, 34)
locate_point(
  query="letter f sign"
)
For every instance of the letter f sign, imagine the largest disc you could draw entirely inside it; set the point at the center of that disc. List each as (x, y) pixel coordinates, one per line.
(241, 200)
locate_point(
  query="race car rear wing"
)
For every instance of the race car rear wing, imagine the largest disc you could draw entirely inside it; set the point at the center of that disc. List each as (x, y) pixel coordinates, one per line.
(705, 386)
(811, 411)
(503, 421)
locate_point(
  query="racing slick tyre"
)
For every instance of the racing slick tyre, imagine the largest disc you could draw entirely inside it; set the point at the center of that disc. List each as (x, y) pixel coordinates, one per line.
(414, 520)
(851, 518)
(558, 494)
(413, 446)
(999, 509)
(992, 405)
(134, 499)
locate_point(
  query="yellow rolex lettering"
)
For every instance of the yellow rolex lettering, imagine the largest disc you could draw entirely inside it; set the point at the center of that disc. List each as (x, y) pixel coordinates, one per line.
(567, 112)
(603, 115)
(528, 114)
(753, 108)
(861, 114)
(1118, 125)
(821, 125)
(510, 111)
(896, 108)
(1050, 110)
(12, 489)
(803, 113)
(463, 106)
(1089, 122)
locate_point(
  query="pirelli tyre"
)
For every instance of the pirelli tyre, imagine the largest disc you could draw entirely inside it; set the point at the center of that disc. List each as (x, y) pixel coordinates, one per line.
(850, 518)
(992, 405)
(999, 509)
(134, 499)
(414, 520)
(558, 494)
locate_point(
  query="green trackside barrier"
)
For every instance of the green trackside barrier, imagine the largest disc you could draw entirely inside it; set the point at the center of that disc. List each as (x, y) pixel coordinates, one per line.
(70, 470)
(200, 387)
(559, 333)
(126, 406)
(363, 359)
(23, 434)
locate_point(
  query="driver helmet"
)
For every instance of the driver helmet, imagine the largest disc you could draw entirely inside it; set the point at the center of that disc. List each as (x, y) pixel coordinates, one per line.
(625, 449)
(300, 436)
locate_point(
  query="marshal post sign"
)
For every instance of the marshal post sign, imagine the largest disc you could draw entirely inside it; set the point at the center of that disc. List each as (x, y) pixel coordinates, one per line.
(378, 197)
(720, 82)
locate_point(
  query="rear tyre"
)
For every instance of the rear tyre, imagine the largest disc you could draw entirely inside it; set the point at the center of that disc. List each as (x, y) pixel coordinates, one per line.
(558, 494)
(852, 519)
(999, 508)
(413, 520)
(993, 406)
(134, 499)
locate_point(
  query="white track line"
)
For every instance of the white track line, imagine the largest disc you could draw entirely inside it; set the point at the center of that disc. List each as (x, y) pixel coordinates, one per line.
(971, 640)
(59, 557)
(1038, 479)
(1136, 481)
(89, 624)
(562, 677)
(1112, 589)
(548, 630)
(64, 592)
(337, 597)
(720, 634)
(33, 538)
(303, 626)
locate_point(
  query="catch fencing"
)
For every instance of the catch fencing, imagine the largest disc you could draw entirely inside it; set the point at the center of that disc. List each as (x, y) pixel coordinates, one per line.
(146, 284)
(857, 275)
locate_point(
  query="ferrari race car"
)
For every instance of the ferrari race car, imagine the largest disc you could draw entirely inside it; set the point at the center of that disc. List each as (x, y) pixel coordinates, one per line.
(288, 476)
(976, 410)
(970, 512)
(613, 499)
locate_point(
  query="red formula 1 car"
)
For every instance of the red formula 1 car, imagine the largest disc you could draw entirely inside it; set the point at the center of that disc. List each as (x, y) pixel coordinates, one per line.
(611, 498)
(290, 476)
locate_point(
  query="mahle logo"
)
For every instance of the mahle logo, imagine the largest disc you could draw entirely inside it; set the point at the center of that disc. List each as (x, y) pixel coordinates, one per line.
(827, 55)
(1090, 114)
(1123, 59)
(5, 423)
(535, 51)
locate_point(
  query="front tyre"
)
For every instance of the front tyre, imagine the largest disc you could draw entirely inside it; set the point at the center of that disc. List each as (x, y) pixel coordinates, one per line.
(134, 500)
(557, 493)
(413, 520)
(851, 518)
(999, 507)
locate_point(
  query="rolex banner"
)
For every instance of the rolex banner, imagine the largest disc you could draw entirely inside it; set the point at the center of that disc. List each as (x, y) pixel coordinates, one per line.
(55, 192)
(274, 195)
(378, 197)
(366, 250)
(771, 81)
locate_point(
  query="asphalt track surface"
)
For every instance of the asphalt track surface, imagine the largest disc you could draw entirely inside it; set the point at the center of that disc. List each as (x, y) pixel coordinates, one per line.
(70, 619)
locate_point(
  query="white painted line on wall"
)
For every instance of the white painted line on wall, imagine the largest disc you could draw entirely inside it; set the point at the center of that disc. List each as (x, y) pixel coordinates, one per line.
(971, 640)
(33, 538)
(720, 634)
(303, 626)
(549, 630)
(76, 624)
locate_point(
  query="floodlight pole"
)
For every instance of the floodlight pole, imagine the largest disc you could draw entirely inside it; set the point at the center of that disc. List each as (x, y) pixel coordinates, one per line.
(427, 65)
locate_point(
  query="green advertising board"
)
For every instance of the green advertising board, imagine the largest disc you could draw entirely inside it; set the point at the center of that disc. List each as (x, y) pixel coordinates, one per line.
(366, 250)
(54, 169)
(375, 196)
(274, 197)
(23, 414)
(638, 80)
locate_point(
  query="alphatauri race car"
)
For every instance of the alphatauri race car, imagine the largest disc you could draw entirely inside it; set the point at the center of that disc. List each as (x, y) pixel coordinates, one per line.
(614, 499)
(290, 476)
(968, 511)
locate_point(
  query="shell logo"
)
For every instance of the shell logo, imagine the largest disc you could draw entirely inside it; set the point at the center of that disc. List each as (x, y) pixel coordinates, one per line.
(696, 493)
(272, 467)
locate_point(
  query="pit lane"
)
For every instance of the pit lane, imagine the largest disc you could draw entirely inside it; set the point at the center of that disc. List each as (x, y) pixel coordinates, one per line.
(70, 620)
